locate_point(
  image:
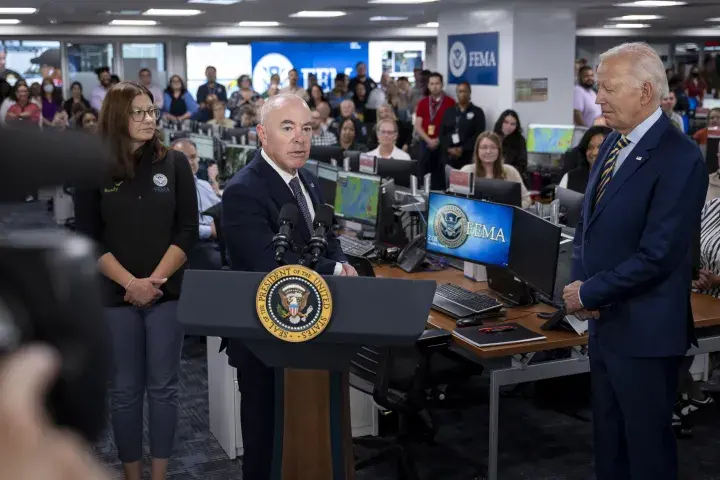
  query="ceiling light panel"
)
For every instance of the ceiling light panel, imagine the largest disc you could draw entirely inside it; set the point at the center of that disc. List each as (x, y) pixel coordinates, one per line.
(318, 14)
(651, 3)
(172, 12)
(17, 11)
(134, 23)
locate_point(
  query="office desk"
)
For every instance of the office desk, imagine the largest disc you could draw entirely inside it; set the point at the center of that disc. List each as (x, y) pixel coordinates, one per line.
(511, 364)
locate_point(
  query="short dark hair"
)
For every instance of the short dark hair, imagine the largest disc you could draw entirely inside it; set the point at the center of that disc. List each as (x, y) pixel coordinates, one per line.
(292, 70)
(403, 78)
(341, 77)
(209, 67)
(113, 127)
(143, 70)
(467, 84)
(99, 71)
(584, 69)
(436, 75)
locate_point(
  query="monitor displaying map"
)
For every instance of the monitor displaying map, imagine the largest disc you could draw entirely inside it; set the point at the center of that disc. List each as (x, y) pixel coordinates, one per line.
(553, 139)
(357, 197)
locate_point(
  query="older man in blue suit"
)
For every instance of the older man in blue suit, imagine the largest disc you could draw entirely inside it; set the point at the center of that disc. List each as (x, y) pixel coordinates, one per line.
(251, 204)
(632, 267)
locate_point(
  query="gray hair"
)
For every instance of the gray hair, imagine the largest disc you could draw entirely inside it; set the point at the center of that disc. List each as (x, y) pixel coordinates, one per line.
(277, 101)
(179, 141)
(646, 63)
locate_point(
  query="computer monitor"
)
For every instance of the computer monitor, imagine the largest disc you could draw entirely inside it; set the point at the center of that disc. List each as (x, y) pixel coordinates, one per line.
(311, 166)
(472, 230)
(353, 157)
(711, 154)
(571, 203)
(357, 197)
(498, 191)
(327, 176)
(711, 103)
(327, 154)
(534, 251)
(205, 129)
(236, 157)
(398, 170)
(578, 134)
(552, 139)
(205, 146)
(235, 135)
(389, 230)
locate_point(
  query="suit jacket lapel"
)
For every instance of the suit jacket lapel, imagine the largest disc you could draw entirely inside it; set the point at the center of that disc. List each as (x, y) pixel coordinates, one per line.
(636, 158)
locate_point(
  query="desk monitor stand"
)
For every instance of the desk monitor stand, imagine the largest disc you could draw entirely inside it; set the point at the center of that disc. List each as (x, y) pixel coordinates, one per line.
(313, 439)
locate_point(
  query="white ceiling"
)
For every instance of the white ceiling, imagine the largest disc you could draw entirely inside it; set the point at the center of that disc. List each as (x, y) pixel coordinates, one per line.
(91, 17)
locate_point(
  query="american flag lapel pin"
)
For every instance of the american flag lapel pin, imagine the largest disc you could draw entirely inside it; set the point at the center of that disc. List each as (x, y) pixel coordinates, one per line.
(639, 159)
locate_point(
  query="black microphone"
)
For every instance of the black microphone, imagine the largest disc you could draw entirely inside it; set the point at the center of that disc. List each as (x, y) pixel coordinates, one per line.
(282, 241)
(322, 224)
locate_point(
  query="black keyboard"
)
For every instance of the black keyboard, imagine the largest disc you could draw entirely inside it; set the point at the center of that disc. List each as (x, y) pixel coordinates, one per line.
(460, 303)
(354, 246)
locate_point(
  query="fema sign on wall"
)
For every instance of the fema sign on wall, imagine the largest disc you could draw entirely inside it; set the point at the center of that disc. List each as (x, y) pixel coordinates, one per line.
(473, 58)
(324, 59)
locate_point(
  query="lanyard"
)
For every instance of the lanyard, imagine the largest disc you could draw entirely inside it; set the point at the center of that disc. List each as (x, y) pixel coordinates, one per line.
(434, 108)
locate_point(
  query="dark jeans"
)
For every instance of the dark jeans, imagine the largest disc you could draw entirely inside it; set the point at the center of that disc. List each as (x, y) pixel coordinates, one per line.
(147, 344)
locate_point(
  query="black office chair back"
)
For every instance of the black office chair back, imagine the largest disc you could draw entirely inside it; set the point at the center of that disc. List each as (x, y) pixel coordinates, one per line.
(369, 373)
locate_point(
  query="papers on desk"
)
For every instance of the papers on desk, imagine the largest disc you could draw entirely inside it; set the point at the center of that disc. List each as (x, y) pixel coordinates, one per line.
(479, 337)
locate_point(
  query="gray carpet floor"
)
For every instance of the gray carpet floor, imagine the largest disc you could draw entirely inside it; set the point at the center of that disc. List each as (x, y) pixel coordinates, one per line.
(535, 443)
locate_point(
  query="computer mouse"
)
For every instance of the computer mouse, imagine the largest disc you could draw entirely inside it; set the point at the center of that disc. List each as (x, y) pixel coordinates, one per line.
(469, 322)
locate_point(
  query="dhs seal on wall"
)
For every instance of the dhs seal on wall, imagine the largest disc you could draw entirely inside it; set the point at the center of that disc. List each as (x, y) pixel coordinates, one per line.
(451, 225)
(294, 303)
(269, 65)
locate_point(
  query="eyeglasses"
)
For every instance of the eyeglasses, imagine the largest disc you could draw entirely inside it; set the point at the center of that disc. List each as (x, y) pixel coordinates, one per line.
(387, 132)
(139, 115)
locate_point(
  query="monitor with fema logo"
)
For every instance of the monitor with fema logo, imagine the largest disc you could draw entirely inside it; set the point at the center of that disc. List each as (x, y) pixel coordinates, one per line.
(472, 230)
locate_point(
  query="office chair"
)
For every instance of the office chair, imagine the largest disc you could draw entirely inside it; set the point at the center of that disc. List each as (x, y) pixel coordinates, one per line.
(398, 379)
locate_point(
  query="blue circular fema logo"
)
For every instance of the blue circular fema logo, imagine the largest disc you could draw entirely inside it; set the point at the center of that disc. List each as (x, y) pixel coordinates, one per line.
(266, 67)
(451, 226)
(457, 59)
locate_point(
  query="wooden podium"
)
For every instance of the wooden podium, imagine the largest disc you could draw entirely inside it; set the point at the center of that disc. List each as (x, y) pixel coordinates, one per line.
(313, 438)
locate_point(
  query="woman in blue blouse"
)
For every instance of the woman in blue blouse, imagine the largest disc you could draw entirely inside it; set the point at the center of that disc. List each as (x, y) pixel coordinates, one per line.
(178, 104)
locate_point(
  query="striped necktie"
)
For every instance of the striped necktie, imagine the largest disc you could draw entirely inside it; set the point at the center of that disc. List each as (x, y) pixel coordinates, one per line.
(609, 167)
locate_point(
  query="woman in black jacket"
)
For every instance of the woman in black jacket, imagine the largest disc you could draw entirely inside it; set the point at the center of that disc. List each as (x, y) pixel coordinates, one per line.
(145, 220)
(585, 155)
(509, 128)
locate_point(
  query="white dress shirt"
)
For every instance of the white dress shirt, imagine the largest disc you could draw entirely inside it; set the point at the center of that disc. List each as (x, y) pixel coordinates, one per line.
(635, 136)
(287, 178)
(397, 154)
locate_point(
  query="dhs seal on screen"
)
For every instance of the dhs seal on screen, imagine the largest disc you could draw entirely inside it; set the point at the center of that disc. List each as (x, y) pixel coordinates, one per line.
(473, 58)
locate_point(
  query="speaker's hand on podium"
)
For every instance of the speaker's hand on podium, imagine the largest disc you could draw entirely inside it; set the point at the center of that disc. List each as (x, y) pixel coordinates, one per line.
(348, 270)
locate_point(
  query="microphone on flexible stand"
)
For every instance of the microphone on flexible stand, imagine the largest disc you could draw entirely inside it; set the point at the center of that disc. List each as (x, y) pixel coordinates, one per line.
(318, 243)
(282, 241)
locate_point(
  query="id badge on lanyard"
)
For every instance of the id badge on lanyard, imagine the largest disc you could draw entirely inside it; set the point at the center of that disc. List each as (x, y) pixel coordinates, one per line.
(456, 135)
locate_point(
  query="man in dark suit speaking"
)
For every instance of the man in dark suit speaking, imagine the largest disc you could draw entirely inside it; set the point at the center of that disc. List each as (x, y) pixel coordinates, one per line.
(632, 267)
(250, 207)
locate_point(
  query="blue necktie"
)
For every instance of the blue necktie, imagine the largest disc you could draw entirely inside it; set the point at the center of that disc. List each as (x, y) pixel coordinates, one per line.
(609, 167)
(302, 203)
